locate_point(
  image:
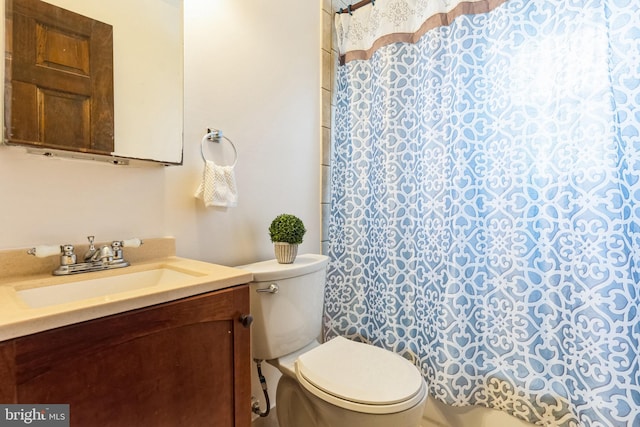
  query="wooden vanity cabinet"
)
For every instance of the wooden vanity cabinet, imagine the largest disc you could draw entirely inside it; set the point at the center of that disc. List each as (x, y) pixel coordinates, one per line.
(182, 363)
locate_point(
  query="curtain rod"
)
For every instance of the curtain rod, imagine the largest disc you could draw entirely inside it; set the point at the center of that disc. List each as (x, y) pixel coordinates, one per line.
(353, 7)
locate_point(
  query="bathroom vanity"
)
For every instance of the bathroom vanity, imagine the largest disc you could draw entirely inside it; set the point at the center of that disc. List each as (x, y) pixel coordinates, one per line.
(182, 361)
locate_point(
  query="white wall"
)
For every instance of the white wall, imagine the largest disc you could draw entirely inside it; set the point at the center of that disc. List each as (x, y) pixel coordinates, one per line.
(53, 201)
(252, 71)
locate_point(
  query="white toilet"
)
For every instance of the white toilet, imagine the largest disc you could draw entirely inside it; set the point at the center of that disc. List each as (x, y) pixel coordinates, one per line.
(340, 383)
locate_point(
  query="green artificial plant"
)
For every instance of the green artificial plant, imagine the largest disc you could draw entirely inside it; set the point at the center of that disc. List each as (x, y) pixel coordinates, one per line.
(287, 228)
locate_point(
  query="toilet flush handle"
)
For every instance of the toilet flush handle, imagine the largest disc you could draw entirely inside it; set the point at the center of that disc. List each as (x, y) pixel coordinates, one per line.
(272, 289)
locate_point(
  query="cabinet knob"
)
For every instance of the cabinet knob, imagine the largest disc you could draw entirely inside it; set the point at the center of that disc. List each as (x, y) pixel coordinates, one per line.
(246, 320)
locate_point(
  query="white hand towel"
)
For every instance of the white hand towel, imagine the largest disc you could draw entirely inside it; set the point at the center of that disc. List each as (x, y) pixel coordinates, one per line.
(218, 186)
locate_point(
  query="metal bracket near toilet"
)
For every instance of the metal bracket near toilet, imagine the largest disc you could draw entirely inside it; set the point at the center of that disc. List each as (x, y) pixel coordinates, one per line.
(272, 289)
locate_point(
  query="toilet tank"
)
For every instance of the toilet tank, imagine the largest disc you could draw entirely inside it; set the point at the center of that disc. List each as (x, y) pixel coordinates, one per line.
(289, 319)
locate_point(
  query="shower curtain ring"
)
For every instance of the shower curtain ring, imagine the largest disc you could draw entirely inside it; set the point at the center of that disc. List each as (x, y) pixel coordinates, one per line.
(349, 10)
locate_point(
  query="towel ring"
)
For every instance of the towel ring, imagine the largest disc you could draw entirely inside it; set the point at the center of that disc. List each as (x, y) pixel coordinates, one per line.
(215, 135)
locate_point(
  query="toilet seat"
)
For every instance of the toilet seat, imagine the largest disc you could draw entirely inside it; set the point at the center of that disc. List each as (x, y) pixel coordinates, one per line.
(360, 377)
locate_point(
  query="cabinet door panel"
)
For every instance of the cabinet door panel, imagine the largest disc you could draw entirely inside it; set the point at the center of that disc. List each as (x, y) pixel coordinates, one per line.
(7, 372)
(167, 365)
(66, 61)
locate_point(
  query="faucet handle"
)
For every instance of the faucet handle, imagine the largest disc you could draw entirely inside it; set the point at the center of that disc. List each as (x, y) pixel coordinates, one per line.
(66, 249)
(44, 251)
(67, 256)
(117, 246)
(132, 243)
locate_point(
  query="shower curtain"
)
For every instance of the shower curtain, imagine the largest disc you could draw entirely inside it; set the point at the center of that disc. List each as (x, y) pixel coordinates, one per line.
(485, 207)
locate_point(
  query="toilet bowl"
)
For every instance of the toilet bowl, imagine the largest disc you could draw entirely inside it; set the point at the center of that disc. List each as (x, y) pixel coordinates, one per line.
(339, 383)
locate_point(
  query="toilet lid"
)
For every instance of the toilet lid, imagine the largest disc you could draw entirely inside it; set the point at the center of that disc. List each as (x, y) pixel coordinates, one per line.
(360, 373)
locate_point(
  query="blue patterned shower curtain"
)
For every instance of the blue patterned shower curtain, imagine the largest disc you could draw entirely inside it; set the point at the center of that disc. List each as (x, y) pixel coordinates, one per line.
(485, 209)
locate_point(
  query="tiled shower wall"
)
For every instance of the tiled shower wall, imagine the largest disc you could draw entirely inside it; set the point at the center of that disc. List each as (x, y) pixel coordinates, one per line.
(329, 63)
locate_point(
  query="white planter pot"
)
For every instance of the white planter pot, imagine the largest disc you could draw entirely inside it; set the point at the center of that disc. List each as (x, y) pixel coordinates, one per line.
(285, 252)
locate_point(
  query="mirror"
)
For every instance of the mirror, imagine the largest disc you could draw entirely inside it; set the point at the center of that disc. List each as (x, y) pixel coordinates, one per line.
(147, 78)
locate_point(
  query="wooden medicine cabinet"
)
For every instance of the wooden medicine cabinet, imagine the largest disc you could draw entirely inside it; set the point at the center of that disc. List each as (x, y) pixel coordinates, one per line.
(59, 82)
(99, 78)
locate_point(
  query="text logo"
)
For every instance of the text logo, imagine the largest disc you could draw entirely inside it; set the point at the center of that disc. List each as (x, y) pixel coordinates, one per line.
(34, 415)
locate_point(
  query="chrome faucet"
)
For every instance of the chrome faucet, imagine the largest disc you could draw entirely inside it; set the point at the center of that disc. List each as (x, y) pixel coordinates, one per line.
(104, 254)
(95, 259)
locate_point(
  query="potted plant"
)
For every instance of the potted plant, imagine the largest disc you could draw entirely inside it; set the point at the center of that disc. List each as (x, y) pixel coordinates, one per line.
(286, 232)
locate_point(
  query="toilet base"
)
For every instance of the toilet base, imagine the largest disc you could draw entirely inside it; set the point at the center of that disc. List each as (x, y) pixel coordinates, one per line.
(296, 407)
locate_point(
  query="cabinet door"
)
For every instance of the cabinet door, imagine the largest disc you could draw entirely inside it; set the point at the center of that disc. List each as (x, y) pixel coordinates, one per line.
(183, 363)
(59, 79)
(7, 372)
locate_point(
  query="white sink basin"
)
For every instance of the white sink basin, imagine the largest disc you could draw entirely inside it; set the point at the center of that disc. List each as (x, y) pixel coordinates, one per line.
(101, 287)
